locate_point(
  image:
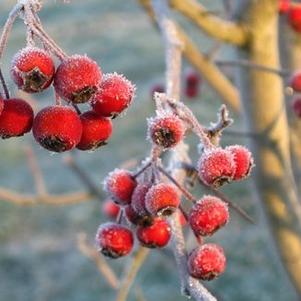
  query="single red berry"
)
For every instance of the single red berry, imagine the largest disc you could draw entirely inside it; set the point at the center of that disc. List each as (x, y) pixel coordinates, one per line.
(120, 184)
(295, 82)
(156, 235)
(16, 118)
(243, 161)
(32, 69)
(208, 215)
(137, 219)
(77, 79)
(110, 209)
(166, 131)
(96, 131)
(162, 199)
(114, 240)
(57, 128)
(193, 81)
(297, 107)
(284, 6)
(216, 166)
(1, 104)
(114, 96)
(207, 262)
(157, 88)
(294, 17)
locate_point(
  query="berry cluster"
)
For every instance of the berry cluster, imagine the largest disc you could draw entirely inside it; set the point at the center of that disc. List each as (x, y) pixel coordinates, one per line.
(77, 80)
(143, 201)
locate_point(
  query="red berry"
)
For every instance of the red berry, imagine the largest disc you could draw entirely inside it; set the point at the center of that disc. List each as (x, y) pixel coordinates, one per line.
(16, 118)
(32, 69)
(208, 215)
(77, 78)
(192, 84)
(96, 131)
(156, 235)
(114, 96)
(110, 209)
(297, 107)
(162, 199)
(294, 17)
(57, 128)
(1, 104)
(207, 262)
(137, 219)
(216, 166)
(284, 6)
(157, 88)
(138, 199)
(166, 131)
(182, 218)
(120, 184)
(114, 240)
(295, 82)
(243, 161)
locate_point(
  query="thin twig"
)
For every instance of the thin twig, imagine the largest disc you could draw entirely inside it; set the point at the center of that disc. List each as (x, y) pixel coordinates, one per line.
(5, 89)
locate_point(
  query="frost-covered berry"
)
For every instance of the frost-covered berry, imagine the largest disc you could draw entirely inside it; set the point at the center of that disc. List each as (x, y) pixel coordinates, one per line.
(294, 17)
(138, 198)
(77, 79)
(243, 161)
(137, 219)
(114, 95)
(120, 184)
(208, 215)
(114, 240)
(32, 69)
(295, 82)
(16, 118)
(297, 107)
(57, 128)
(216, 166)
(110, 209)
(1, 104)
(156, 235)
(96, 131)
(166, 131)
(207, 262)
(162, 199)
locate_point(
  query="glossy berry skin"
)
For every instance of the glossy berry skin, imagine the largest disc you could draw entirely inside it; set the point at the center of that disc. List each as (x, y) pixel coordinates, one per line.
(114, 95)
(207, 262)
(57, 128)
(243, 161)
(110, 209)
(96, 131)
(16, 118)
(120, 184)
(192, 84)
(295, 82)
(32, 69)
(208, 215)
(1, 104)
(114, 240)
(284, 6)
(216, 166)
(294, 17)
(166, 131)
(156, 235)
(162, 199)
(77, 79)
(297, 107)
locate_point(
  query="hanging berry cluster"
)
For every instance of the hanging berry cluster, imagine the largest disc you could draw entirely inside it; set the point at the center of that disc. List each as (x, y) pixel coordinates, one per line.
(76, 80)
(143, 201)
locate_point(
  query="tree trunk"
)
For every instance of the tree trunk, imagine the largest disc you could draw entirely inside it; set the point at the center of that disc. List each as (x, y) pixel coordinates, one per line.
(265, 114)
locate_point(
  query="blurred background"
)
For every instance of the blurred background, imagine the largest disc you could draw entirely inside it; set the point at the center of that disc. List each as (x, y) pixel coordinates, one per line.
(39, 258)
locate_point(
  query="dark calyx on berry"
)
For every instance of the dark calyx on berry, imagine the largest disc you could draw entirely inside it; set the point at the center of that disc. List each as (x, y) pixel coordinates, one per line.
(54, 144)
(83, 95)
(35, 80)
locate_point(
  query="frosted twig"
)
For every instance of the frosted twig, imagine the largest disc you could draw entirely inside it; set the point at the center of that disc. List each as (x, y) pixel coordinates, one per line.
(4, 86)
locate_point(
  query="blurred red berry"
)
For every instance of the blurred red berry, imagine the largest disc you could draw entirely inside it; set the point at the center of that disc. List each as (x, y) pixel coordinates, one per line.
(295, 82)
(32, 69)
(162, 199)
(192, 84)
(114, 96)
(166, 131)
(120, 184)
(114, 240)
(16, 118)
(208, 215)
(243, 161)
(216, 166)
(110, 209)
(297, 107)
(284, 6)
(294, 17)
(77, 78)
(96, 131)
(182, 218)
(207, 262)
(156, 235)
(57, 128)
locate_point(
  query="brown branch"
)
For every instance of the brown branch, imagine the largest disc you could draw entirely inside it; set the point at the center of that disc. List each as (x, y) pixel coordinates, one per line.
(223, 30)
(103, 267)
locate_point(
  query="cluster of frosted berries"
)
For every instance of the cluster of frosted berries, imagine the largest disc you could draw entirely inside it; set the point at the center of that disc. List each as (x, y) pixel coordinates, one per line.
(142, 202)
(77, 80)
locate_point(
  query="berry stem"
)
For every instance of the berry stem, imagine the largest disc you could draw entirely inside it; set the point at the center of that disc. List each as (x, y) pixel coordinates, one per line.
(76, 108)
(120, 216)
(5, 89)
(141, 170)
